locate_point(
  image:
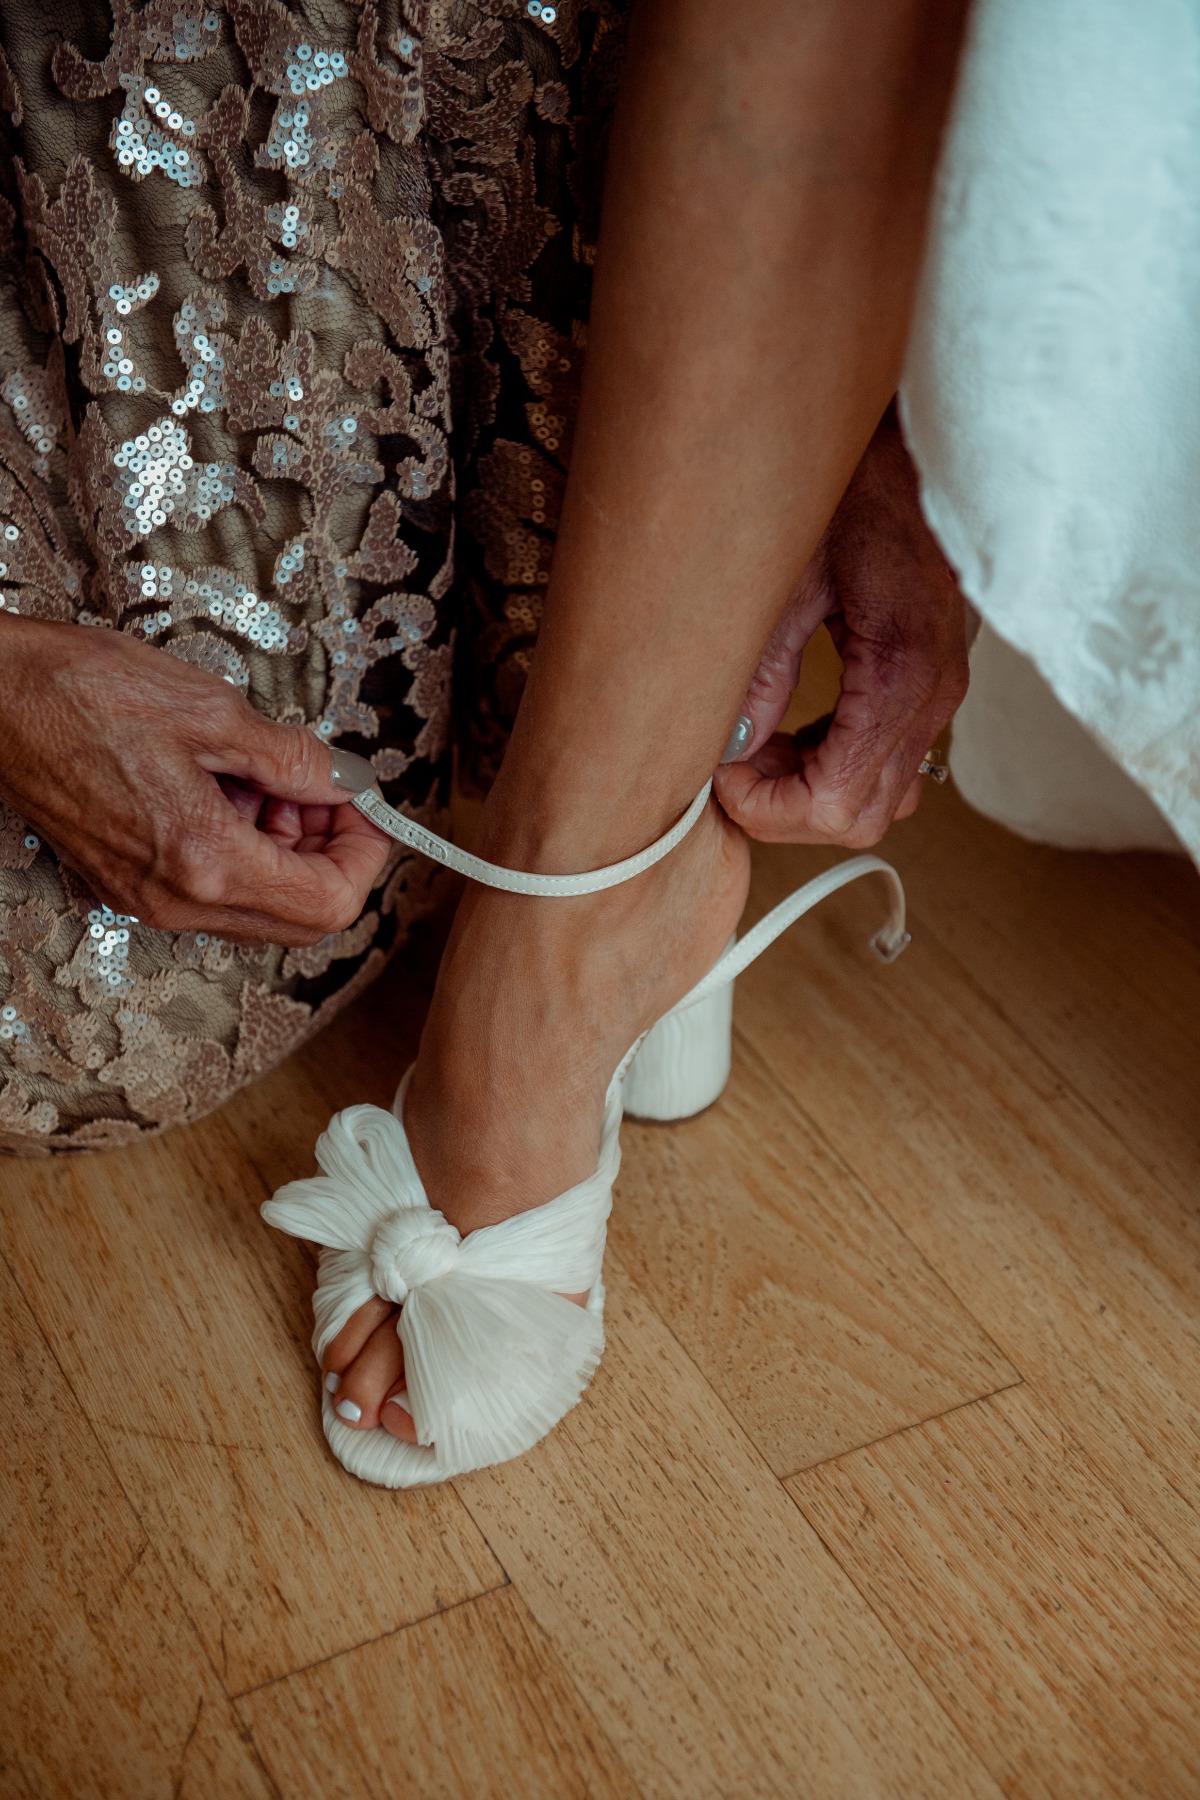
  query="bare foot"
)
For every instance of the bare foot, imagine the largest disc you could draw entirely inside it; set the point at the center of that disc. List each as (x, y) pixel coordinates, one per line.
(537, 1002)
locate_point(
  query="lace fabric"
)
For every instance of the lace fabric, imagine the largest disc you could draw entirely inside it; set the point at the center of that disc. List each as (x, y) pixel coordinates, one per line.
(290, 324)
(1052, 391)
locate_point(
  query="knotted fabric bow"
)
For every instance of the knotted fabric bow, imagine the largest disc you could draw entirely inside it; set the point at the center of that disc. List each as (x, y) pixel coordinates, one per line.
(493, 1355)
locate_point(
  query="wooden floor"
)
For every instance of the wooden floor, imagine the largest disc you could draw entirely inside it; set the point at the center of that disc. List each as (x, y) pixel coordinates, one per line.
(889, 1483)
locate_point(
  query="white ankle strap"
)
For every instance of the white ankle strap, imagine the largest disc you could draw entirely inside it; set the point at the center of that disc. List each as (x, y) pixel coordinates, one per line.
(887, 943)
(521, 881)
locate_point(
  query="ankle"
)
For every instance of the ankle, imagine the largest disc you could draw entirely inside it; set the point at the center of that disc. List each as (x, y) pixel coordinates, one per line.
(608, 962)
(567, 818)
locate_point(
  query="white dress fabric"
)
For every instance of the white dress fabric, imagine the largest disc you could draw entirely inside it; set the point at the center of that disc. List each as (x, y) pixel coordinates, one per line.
(1052, 391)
(1020, 757)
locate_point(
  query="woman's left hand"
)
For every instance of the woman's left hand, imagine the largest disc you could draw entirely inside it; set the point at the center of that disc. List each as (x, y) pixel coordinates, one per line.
(899, 622)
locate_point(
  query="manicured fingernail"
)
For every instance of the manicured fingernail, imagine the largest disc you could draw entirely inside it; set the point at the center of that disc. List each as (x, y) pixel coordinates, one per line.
(400, 1399)
(352, 773)
(739, 739)
(346, 1409)
(332, 1382)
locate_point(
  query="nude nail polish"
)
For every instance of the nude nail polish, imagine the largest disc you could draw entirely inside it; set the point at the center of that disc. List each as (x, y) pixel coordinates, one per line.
(332, 1382)
(354, 774)
(739, 739)
(346, 1409)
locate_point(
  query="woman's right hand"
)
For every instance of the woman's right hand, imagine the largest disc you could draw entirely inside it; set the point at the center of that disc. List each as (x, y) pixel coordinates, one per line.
(171, 796)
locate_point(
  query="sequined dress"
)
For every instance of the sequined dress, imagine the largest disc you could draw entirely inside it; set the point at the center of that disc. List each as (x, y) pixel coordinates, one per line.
(290, 323)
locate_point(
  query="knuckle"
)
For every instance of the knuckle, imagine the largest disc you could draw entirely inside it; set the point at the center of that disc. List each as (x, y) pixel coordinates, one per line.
(864, 834)
(834, 819)
(341, 915)
(185, 872)
(297, 750)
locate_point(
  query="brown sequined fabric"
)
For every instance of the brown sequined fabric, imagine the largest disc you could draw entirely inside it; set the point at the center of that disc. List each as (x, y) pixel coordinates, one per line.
(290, 322)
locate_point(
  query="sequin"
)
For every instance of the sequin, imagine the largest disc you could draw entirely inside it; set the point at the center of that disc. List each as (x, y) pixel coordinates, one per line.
(463, 128)
(141, 145)
(158, 479)
(105, 955)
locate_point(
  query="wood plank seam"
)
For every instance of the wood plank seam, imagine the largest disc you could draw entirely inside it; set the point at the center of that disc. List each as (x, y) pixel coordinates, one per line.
(101, 1451)
(744, 1042)
(538, 1710)
(1078, 1448)
(1069, 1575)
(1115, 1138)
(626, 1693)
(146, 1547)
(997, 1009)
(913, 1425)
(147, 1539)
(97, 1426)
(381, 1637)
(952, 1723)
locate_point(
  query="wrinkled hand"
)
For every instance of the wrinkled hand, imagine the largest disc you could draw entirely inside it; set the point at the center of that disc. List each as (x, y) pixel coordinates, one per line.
(174, 799)
(892, 606)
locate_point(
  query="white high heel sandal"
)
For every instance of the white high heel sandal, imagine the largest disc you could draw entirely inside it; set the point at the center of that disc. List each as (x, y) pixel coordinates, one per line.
(493, 1355)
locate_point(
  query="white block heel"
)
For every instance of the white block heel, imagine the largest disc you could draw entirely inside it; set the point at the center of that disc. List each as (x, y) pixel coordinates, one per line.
(683, 1062)
(493, 1353)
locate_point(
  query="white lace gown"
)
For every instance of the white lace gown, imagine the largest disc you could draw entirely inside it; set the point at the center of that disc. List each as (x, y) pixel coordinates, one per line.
(1052, 402)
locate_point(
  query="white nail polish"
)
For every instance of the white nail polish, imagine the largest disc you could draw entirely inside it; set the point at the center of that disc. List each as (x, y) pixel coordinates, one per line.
(346, 1409)
(739, 739)
(332, 1382)
(400, 1399)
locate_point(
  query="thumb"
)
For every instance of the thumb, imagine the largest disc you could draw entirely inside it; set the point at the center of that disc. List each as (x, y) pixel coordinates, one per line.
(774, 682)
(289, 762)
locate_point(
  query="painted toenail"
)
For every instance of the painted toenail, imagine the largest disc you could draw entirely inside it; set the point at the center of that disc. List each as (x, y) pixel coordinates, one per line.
(346, 1409)
(400, 1399)
(332, 1382)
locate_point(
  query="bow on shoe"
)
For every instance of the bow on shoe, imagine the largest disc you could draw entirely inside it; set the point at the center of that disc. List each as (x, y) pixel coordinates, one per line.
(493, 1355)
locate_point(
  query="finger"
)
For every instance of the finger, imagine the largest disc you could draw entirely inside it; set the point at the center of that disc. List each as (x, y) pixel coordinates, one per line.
(860, 772)
(160, 911)
(287, 761)
(774, 681)
(356, 847)
(300, 827)
(218, 872)
(246, 801)
(284, 821)
(769, 796)
(224, 867)
(827, 794)
(847, 788)
(317, 821)
(312, 889)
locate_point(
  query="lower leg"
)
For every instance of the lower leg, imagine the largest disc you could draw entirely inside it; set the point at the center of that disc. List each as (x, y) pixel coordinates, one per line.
(762, 232)
(763, 221)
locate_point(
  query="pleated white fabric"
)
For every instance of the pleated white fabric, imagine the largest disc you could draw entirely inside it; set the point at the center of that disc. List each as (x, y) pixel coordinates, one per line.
(493, 1355)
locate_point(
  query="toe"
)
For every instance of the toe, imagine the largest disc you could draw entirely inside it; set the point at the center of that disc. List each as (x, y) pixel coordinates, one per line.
(396, 1418)
(374, 1373)
(353, 1335)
